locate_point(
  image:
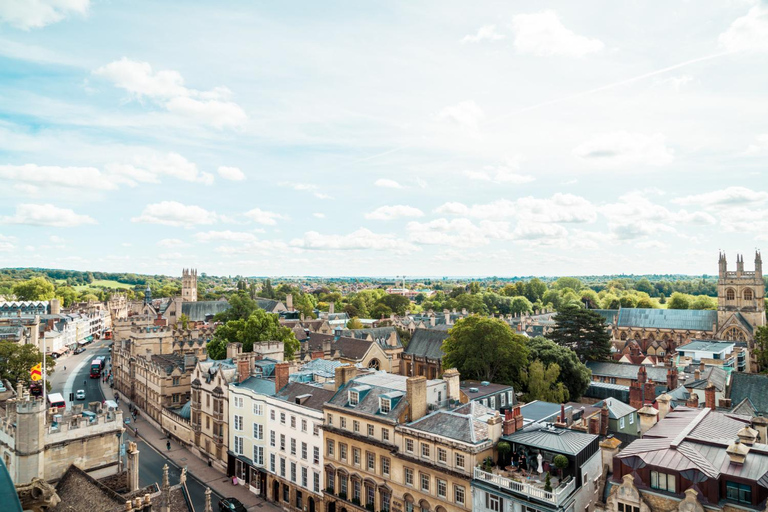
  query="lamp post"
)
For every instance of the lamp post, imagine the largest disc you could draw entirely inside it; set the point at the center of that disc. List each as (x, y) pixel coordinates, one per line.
(119, 435)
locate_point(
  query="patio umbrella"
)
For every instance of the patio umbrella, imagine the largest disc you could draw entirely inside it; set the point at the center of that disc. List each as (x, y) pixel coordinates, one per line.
(540, 469)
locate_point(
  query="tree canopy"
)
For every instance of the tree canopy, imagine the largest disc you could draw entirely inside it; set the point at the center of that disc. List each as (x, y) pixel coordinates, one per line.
(17, 360)
(37, 288)
(761, 347)
(259, 326)
(485, 349)
(573, 373)
(543, 383)
(583, 331)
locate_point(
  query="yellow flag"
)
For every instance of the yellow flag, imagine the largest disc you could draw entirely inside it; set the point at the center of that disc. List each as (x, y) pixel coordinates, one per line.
(36, 372)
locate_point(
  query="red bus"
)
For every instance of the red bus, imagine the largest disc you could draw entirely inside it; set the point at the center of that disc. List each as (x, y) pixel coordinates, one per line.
(107, 335)
(96, 366)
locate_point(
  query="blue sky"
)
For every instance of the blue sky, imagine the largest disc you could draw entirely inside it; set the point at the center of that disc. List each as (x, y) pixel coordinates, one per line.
(351, 138)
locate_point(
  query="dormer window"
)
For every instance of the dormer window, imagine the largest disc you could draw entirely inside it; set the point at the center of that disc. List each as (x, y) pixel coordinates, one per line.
(385, 405)
(354, 398)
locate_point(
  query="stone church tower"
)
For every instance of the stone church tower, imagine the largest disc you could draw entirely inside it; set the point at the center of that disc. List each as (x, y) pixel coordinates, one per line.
(740, 300)
(189, 285)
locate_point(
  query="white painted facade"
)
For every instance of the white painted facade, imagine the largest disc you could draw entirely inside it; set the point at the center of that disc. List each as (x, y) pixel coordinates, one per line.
(248, 432)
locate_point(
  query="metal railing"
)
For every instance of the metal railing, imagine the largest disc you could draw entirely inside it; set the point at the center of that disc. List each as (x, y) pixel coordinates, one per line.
(556, 496)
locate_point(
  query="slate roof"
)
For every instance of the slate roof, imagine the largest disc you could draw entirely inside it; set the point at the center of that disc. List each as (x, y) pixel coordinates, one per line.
(607, 314)
(713, 374)
(616, 408)
(349, 348)
(705, 346)
(379, 334)
(681, 319)
(257, 385)
(626, 371)
(185, 411)
(541, 411)
(268, 305)
(11, 331)
(753, 386)
(745, 408)
(468, 423)
(79, 491)
(427, 343)
(321, 367)
(197, 311)
(318, 396)
(559, 440)
(168, 362)
(369, 401)
(484, 390)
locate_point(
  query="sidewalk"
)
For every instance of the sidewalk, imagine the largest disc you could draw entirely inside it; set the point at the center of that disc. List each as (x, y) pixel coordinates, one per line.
(217, 481)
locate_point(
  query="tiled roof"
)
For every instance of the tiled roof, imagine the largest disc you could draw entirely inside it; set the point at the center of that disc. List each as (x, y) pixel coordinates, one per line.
(369, 401)
(681, 319)
(468, 423)
(197, 311)
(350, 348)
(713, 374)
(744, 408)
(750, 385)
(317, 396)
(79, 491)
(559, 440)
(379, 334)
(616, 408)
(268, 305)
(427, 343)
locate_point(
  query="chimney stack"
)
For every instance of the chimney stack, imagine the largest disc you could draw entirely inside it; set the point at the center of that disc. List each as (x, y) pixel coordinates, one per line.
(344, 374)
(282, 371)
(696, 374)
(244, 366)
(635, 395)
(453, 380)
(663, 402)
(649, 393)
(416, 394)
(594, 425)
(642, 375)
(133, 466)
(289, 301)
(709, 396)
(604, 420)
(234, 349)
(672, 379)
(509, 426)
(55, 306)
(562, 414)
(331, 307)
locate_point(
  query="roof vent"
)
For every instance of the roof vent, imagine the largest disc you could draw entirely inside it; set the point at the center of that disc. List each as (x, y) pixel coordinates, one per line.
(485, 383)
(473, 390)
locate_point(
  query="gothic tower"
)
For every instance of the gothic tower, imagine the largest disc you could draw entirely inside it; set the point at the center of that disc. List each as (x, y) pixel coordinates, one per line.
(189, 285)
(740, 300)
(30, 439)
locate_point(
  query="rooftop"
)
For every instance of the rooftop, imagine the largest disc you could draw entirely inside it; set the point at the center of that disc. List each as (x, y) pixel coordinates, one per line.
(554, 439)
(684, 319)
(468, 423)
(541, 411)
(484, 388)
(427, 343)
(706, 346)
(308, 396)
(616, 408)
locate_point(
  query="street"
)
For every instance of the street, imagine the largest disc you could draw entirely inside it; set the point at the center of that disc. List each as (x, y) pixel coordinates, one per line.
(150, 461)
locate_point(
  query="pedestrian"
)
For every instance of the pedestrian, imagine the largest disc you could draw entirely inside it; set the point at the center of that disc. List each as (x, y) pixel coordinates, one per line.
(136, 431)
(65, 368)
(168, 444)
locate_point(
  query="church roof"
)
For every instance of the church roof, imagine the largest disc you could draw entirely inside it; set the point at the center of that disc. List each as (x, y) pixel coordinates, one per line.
(427, 343)
(751, 386)
(198, 311)
(680, 319)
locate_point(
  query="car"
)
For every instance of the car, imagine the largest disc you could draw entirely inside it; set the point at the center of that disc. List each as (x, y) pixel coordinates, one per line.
(80, 395)
(79, 350)
(231, 505)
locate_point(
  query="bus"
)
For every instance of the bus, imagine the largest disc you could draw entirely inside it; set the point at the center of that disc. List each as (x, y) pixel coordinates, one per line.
(107, 335)
(97, 365)
(55, 400)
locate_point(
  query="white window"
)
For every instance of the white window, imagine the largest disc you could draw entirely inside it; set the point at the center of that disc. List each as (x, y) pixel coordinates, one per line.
(316, 482)
(370, 430)
(272, 438)
(409, 445)
(303, 425)
(343, 422)
(510, 398)
(304, 451)
(330, 419)
(354, 398)
(239, 402)
(282, 442)
(272, 415)
(293, 421)
(272, 462)
(282, 418)
(238, 445)
(662, 481)
(258, 432)
(385, 466)
(258, 410)
(371, 461)
(258, 455)
(442, 456)
(315, 429)
(442, 488)
(621, 422)
(384, 405)
(503, 399)
(459, 460)
(424, 482)
(632, 418)
(458, 494)
(424, 450)
(356, 426)
(293, 446)
(493, 402)
(485, 402)
(329, 451)
(238, 423)
(385, 434)
(303, 476)
(409, 477)
(493, 503)
(316, 455)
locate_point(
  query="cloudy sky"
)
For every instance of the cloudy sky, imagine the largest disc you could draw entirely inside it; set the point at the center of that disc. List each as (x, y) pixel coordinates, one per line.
(349, 138)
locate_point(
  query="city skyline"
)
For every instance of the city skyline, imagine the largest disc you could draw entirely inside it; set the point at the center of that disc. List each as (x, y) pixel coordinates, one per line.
(438, 139)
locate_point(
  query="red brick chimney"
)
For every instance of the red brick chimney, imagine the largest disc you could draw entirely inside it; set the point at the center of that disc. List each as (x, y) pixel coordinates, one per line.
(243, 367)
(649, 393)
(672, 379)
(282, 371)
(636, 395)
(508, 427)
(518, 419)
(604, 420)
(594, 425)
(693, 401)
(562, 414)
(709, 396)
(642, 375)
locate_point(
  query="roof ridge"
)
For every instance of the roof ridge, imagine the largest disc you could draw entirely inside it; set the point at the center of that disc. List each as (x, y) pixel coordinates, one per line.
(688, 429)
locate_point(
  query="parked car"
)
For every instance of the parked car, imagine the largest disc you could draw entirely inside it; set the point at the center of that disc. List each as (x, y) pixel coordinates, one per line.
(79, 350)
(231, 505)
(80, 395)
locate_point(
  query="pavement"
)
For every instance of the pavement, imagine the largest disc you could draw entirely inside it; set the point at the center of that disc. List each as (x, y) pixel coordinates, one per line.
(196, 468)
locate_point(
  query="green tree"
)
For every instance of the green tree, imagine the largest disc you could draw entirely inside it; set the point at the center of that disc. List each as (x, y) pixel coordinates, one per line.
(761, 347)
(520, 304)
(679, 301)
(543, 383)
(561, 463)
(267, 291)
(397, 303)
(583, 331)
(259, 326)
(535, 289)
(184, 321)
(67, 295)
(37, 288)
(548, 483)
(355, 323)
(485, 349)
(16, 361)
(241, 306)
(503, 448)
(703, 302)
(573, 373)
(562, 283)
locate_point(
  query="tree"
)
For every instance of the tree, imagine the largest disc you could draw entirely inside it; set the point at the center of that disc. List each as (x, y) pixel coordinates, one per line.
(573, 373)
(37, 288)
(535, 289)
(17, 360)
(520, 305)
(259, 326)
(543, 383)
(485, 349)
(562, 283)
(355, 323)
(503, 448)
(184, 321)
(678, 301)
(761, 347)
(66, 294)
(548, 483)
(241, 306)
(399, 304)
(561, 462)
(703, 302)
(583, 331)
(267, 291)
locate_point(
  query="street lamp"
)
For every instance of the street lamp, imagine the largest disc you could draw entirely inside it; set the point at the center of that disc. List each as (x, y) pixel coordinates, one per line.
(119, 435)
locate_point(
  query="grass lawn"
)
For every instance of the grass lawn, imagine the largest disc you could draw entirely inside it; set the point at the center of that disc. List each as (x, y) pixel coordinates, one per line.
(104, 283)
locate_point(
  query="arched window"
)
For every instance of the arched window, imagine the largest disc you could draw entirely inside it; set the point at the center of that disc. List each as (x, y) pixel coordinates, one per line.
(730, 294)
(623, 335)
(374, 363)
(748, 294)
(735, 334)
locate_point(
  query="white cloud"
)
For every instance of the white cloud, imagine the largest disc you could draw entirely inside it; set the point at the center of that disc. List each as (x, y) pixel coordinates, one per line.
(622, 149)
(544, 34)
(27, 14)
(748, 33)
(457, 232)
(387, 183)
(360, 239)
(56, 239)
(306, 187)
(166, 88)
(55, 176)
(253, 247)
(675, 82)
(171, 243)
(231, 173)
(466, 114)
(486, 33)
(394, 212)
(147, 168)
(563, 208)
(453, 208)
(759, 146)
(229, 236)
(263, 217)
(731, 196)
(172, 213)
(501, 173)
(318, 215)
(170, 256)
(7, 243)
(46, 215)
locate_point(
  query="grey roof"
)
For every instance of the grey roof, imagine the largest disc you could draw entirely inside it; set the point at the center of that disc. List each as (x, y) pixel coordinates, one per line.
(750, 385)
(559, 440)
(8, 496)
(467, 424)
(268, 305)
(185, 411)
(538, 411)
(257, 385)
(626, 371)
(713, 374)
(744, 408)
(379, 334)
(198, 310)
(681, 319)
(705, 345)
(607, 314)
(427, 343)
(350, 348)
(380, 384)
(316, 396)
(484, 388)
(616, 408)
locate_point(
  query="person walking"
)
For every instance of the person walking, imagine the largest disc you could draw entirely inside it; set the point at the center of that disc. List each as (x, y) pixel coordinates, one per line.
(168, 444)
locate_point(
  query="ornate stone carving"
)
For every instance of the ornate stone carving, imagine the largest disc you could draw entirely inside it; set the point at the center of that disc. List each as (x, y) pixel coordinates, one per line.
(38, 495)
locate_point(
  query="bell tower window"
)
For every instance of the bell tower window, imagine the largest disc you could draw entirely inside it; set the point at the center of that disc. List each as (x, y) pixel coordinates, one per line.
(748, 294)
(730, 294)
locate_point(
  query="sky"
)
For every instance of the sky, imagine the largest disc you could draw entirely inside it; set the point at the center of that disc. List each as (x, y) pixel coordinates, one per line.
(340, 138)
